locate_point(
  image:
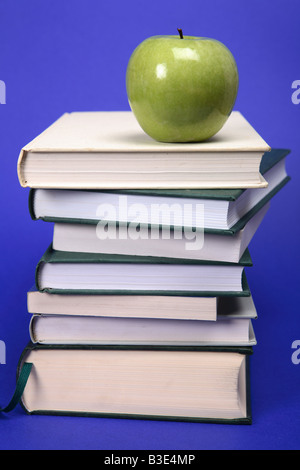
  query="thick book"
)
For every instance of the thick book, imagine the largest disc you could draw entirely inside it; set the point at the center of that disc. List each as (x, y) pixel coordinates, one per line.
(143, 241)
(225, 211)
(172, 307)
(68, 272)
(134, 306)
(109, 150)
(207, 384)
(233, 327)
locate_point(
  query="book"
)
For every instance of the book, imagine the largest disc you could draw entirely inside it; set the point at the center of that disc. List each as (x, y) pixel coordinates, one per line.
(233, 327)
(68, 272)
(224, 211)
(208, 384)
(109, 150)
(122, 306)
(143, 241)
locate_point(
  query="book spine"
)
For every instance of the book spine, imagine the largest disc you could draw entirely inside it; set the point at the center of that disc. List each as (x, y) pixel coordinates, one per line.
(31, 204)
(21, 158)
(37, 275)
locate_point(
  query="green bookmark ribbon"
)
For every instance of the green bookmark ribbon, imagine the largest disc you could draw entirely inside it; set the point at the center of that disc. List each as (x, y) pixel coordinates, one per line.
(21, 384)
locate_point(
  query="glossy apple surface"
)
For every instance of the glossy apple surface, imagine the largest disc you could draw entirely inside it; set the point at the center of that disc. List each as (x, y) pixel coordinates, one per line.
(181, 89)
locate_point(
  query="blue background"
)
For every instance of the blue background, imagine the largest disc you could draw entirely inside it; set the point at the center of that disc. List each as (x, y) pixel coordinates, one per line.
(58, 56)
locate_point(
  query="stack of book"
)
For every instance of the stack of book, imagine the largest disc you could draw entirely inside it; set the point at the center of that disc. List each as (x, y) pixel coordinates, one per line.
(141, 306)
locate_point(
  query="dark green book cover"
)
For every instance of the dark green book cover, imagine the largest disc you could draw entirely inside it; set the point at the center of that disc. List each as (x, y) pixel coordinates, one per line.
(247, 351)
(269, 160)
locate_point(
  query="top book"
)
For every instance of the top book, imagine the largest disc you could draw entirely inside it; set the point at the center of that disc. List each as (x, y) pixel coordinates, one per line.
(109, 150)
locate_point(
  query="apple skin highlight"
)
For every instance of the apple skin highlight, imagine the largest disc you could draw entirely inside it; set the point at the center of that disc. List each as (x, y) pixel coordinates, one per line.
(181, 89)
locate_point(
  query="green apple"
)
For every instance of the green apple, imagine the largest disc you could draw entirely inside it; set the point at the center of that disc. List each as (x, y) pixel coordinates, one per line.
(181, 88)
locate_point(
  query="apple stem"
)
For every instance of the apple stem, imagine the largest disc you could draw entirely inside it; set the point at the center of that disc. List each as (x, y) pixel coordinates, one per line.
(180, 33)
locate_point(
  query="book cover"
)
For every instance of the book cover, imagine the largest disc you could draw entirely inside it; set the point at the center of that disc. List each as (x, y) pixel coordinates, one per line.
(39, 383)
(109, 150)
(68, 258)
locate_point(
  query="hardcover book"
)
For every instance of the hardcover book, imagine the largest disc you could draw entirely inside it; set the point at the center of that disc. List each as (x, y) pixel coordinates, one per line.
(209, 384)
(225, 211)
(122, 306)
(144, 241)
(67, 272)
(109, 150)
